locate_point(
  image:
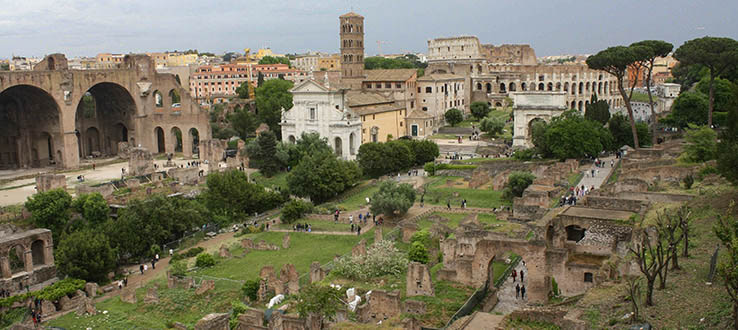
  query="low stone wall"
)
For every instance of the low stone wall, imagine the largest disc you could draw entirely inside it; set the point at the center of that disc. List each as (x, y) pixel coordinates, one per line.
(548, 316)
(45, 182)
(105, 189)
(614, 203)
(185, 175)
(655, 197)
(466, 173)
(659, 173)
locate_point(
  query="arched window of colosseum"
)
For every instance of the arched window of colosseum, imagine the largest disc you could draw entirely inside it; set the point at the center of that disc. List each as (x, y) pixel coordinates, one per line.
(586, 87)
(550, 87)
(489, 87)
(498, 104)
(541, 87)
(158, 100)
(581, 87)
(600, 77)
(606, 91)
(502, 88)
(511, 87)
(38, 252)
(523, 87)
(580, 106)
(599, 88)
(566, 86)
(558, 86)
(573, 105)
(479, 86)
(586, 105)
(17, 259)
(479, 68)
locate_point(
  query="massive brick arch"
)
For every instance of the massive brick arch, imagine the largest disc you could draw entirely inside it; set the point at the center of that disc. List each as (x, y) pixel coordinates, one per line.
(30, 127)
(108, 111)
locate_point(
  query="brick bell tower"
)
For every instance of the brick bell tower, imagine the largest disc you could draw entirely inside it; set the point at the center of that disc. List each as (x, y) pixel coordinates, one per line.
(352, 50)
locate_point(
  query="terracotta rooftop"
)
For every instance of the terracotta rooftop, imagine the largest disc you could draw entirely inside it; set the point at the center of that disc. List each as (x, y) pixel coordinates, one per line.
(377, 109)
(419, 114)
(389, 74)
(359, 98)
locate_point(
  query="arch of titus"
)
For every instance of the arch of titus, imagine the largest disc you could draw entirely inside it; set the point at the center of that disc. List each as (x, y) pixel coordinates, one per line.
(54, 115)
(531, 106)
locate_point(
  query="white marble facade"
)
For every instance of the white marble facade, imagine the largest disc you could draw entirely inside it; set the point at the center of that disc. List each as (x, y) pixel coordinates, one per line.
(318, 108)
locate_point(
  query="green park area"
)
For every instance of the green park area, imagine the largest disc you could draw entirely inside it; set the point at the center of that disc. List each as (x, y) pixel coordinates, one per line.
(453, 190)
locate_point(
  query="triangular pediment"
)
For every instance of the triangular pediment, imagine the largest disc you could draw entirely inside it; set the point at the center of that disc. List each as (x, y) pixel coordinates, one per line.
(309, 86)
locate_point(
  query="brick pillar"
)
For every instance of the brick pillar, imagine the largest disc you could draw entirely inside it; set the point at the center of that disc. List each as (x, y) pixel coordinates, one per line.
(28, 256)
(186, 144)
(5, 267)
(49, 254)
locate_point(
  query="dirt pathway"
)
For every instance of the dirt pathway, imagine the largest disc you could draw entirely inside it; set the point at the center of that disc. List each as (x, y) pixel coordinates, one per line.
(507, 299)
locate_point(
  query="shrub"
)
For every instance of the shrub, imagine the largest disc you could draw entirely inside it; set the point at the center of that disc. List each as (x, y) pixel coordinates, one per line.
(295, 209)
(479, 109)
(701, 144)
(525, 154)
(492, 126)
(187, 254)
(382, 258)
(392, 198)
(707, 170)
(418, 253)
(516, 184)
(422, 237)
(554, 288)
(430, 168)
(205, 260)
(688, 181)
(250, 289)
(178, 268)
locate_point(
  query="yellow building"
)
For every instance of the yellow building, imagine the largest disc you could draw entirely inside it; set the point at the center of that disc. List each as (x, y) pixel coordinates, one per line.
(175, 59)
(331, 63)
(160, 59)
(382, 119)
(265, 52)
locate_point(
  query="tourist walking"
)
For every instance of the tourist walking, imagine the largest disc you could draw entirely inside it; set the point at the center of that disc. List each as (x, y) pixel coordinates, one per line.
(522, 292)
(351, 218)
(141, 267)
(522, 275)
(514, 274)
(358, 231)
(517, 291)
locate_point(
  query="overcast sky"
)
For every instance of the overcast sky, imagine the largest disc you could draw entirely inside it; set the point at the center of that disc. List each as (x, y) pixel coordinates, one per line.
(551, 27)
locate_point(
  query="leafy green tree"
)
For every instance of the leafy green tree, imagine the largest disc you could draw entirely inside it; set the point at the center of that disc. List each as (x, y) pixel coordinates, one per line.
(399, 155)
(597, 110)
(244, 90)
(621, 134)
(86, 255)
(617, 61)
(726, 229)
(727, 149)
(492, 126)
(93, 208)
(153, 221)
(272, 97)
(178, 268)
(371, 159)
(308, 144)
(263, 154)
(659, 48)
(295, 209)
(320, 300)
(572, 136)
(701, 144)
(516, 184)
(418, 253)
(453, 116)
(377, 159)
(322, 176)
(688, 108)
(230, 194)
(378, 62)
(479, 109)
(718, 55)
(244, 122)
(259, 79)
(50, 209)
(724, 93)
(274, 60)
(424, 150)
(392, 199)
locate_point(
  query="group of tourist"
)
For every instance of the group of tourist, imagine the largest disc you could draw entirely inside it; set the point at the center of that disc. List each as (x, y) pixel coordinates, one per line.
(303, 227)
(35, 308)
(519, 290)
(448, 204)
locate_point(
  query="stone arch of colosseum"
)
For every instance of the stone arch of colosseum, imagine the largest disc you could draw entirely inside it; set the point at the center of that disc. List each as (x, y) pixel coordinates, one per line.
(26, 258)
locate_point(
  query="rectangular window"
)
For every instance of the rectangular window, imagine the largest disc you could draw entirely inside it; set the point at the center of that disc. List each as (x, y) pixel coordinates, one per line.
(400, 124)
(588, 278)
(379, 85)
(412, 104)
(398, 85)
(312, 113)
(387, 85)
(374, 117)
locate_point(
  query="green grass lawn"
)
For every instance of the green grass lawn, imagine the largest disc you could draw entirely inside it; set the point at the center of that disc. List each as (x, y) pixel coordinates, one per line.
(318, 225)
(186, 307)
(278, 180)
(358, 200)
(439, 193)
(304, 249)
(469, 123)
